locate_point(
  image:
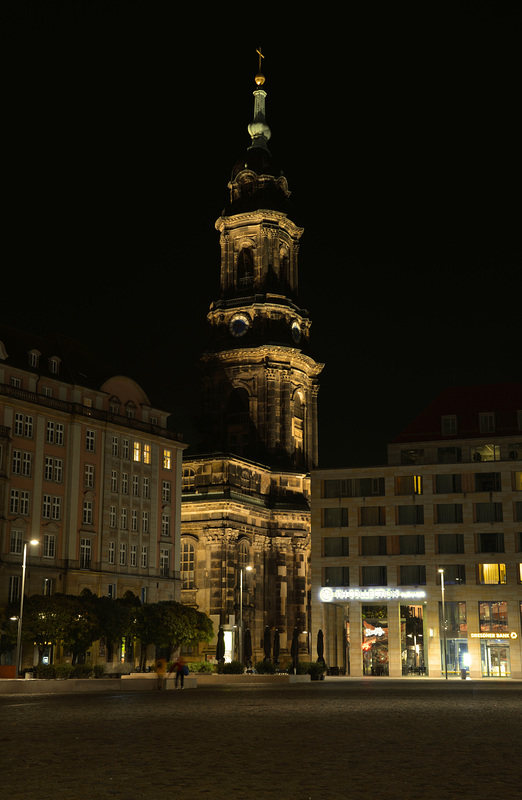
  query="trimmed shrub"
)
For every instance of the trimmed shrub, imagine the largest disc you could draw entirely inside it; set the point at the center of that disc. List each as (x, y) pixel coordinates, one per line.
(81, 671)
(200, 666)
(63, 671)
(46, 671)
(266, 668)
(233, 668)
(99, 670)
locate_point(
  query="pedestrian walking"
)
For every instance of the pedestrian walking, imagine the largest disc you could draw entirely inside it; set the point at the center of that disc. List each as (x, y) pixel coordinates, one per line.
(180, 668)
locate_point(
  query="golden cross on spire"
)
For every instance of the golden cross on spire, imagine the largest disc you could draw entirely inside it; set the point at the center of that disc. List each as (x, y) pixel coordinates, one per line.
(260, 78)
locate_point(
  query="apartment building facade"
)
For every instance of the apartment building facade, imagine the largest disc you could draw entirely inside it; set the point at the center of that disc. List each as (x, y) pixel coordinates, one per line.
(417, 565)
(88, 469)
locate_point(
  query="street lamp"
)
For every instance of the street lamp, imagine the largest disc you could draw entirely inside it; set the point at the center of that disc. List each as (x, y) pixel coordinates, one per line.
(20, 616)
(240, 632)
(441, 571)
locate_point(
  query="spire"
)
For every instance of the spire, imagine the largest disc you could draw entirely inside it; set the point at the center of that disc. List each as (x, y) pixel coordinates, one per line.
(258, 129)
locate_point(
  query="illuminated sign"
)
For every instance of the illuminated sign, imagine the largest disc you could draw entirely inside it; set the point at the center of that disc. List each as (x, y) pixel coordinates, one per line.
(329, 594)
(512, 635)
(374, 632)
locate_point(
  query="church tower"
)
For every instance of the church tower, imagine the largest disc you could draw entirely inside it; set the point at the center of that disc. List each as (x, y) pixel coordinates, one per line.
(245, 510)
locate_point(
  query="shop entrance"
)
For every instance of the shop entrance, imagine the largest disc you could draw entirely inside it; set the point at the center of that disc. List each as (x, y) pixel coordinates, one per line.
(495, 661)
(375, 640)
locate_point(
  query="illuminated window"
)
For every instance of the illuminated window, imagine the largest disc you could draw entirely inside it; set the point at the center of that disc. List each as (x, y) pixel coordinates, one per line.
(492, 573)
(408, 484)
(137, 451)
(146, 453)
(493, 617)
(485, 452)
(517, 481)
(167, 459)
(519, 567)
(187, 564)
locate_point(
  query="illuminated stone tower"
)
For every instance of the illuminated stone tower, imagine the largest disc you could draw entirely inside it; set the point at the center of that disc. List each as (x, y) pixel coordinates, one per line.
(246, 496)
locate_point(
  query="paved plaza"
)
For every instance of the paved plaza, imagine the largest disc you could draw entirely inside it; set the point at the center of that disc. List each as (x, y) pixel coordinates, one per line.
(339, 739)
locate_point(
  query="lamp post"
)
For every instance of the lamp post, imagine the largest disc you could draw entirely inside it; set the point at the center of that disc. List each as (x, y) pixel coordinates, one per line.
(441, 571)
(240, 631)
(20, 616)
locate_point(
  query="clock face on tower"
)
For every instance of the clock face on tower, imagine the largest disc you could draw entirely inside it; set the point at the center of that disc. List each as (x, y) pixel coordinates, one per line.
(239, 324)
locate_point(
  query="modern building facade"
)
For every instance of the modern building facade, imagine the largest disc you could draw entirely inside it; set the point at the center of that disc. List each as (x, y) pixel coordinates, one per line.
(246, 486)
(90, 471)
(417, 565)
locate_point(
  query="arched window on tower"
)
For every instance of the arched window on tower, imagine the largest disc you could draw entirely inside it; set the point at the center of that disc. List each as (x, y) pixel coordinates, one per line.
(284, 268)
(244, 561)
(238, 426)
(245, 267)
(298, 430)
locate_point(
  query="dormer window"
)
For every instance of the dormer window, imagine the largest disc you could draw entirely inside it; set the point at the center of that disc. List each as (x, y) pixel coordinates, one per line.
(34, 358)
(54, 365)
(487, 422)
(449, 425)
(130, 410)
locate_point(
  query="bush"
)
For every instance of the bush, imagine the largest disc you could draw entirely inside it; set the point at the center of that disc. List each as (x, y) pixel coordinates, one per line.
(313, 668)
(266, 668)
(63, 671)
(200, 666)
(99, 670)
(233, 668)
(81, 671)
(46, 671)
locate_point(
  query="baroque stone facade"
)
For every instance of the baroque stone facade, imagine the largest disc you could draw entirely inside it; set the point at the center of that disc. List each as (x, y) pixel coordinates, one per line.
(246, 488)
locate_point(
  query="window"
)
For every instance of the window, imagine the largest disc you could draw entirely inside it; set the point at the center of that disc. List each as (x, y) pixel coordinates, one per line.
(54, 433)
(87, 404)
(411, 545)
(450, 543)
(354, 487)
(335, 546)
(372, 515)
(373, 545)
(449, 425)
(335, 517)
(134, 520)
(167, 459)
(112, 551)
(490, 542)
(165, 524)
(488, 512)
(23, 426)
(88, 511)
(16, 465)
(16, 383)
(124, 483)
(412, 457)
(124, 518)
(517, 481)
(448, 484)
(16, 542)
(49, 545)
(137, 451)
(412, 575)
(34, 358)
(146, 453)
(487, 482)
(19, 502)
(164, 563)
(125, 448)
(14, 588)
(485, 452)
(144, 521)
(408, 484)
(47, 587)
(27, 464)
(492, 573)
(187, 479)
(493, 617)
(112, 517)
(115, 446)
(410, 515)
(517, 511)
(54, 365)
(85, 553)
(146, 489)
(88, 476)
(144, 556)
(114, 481)
(166, 492)
(133, 556)
(487, 422)
(374, 576)
(447, 513)
(187, 564)
(454, 574)
(90, 441)
(336, 576)
(455, 614)
(123, 554)
(135, 486)
(449, 455)
(111, 590)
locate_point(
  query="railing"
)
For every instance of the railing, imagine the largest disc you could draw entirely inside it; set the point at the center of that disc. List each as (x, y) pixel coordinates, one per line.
(86, 411)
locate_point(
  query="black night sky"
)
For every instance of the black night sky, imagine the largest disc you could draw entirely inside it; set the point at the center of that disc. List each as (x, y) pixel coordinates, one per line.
(397, 128)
